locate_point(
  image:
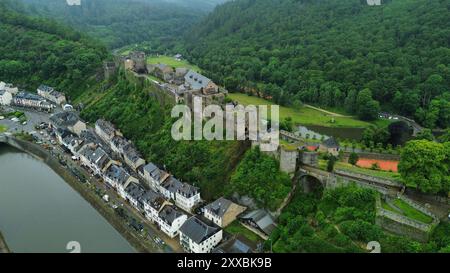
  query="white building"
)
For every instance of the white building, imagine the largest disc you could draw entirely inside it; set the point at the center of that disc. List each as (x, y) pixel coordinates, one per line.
(68, 120)
(106, 130)
(51, 94)
(170, 187)
(152, 203)
(198, 237)
(116, 175)
(95, 158)
(170, 219)
(5, 97)
(222, 212)
(153, 176)
(187, 197)
(133, 193)
(25, 99)
(9, 88)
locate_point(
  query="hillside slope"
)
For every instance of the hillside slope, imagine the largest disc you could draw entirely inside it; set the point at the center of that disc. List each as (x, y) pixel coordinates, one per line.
(326, 52)
(35, 50)
(118, 23)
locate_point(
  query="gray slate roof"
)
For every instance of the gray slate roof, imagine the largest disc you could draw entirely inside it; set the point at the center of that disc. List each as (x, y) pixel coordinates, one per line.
(331, 143)
(135, 191)
(188, 190)
(219, 207)
(262, 219)
(155, 200)
(117, 174)
(172, 184)
(169, 213)
(64, 119)
(45, 88)
(154, 171)
(195, 80)
(106, 126)
(29, 96)
(197, 230)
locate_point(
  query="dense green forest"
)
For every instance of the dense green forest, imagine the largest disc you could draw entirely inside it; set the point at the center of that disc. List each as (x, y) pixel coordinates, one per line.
(258, 176)
(328, 52)
(343, 220)
(122, 22)
(35, 50)
(133, 107)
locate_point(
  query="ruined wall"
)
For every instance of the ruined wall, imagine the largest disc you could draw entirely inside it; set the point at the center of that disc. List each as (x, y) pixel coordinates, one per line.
(288, 160)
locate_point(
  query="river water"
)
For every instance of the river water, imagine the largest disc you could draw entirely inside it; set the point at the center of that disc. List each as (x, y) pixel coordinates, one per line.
(39, 212)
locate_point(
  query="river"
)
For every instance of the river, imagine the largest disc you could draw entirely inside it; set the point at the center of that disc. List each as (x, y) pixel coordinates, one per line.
(39, 212)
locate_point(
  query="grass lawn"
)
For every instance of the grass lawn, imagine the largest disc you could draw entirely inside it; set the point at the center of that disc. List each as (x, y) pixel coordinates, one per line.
(409, 211)
(304, 116)
(172, 62)
(3, 128)
(237, 228)
(381, 174)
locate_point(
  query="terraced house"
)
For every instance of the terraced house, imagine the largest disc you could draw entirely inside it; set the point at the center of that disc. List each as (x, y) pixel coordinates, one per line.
(198, 237)
(51, 94)
(68, 120)
(106, 130)
(115, 175)
(26, 99)
(170, 219)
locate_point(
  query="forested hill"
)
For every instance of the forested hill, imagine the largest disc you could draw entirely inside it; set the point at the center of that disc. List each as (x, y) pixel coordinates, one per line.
(122, 22)
(327, 51)
(35, 50)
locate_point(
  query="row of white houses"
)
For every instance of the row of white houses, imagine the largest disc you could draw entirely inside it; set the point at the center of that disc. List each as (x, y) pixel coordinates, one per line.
(43, 100)
(165, 204)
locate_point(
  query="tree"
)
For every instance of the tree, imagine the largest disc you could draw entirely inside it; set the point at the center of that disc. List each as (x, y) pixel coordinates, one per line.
(367, 107)
(353, 158)
(445, 137)
(425, 134)
(426, 164)
(331, 162)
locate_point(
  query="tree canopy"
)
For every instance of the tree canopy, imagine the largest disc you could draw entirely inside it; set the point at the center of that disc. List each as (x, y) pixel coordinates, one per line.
(35, 50)
(426, 165)
(331, 53)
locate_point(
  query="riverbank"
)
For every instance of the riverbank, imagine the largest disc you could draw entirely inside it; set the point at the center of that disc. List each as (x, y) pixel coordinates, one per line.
(3, 246)
(94, 200)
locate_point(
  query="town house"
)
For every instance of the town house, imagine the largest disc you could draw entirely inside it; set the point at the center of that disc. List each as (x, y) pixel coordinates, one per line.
(5, 97)
(153, 176)
(115, 175)
(170, 219)
(68, 120)
(187, 197)
(95, 158)
(106, 130)
(222, 212)
(8, 87)
(152, 202)
(51, 94)
(170, 187)
(25, 99)
(198, 237)
(133, 192)
(132, 157)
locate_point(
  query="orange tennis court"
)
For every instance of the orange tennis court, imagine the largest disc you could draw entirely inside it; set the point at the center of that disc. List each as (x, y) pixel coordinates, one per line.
(385, 165)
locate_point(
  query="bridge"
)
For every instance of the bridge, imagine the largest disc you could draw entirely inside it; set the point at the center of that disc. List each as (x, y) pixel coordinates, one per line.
(311, 177)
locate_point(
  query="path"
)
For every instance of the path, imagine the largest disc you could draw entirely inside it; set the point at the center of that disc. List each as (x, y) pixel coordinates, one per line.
(327, 112)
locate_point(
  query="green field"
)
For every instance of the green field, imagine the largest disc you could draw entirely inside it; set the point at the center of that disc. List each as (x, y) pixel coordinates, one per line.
(408, 211)
(171, 62)
(237, 228)
(303, 116)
